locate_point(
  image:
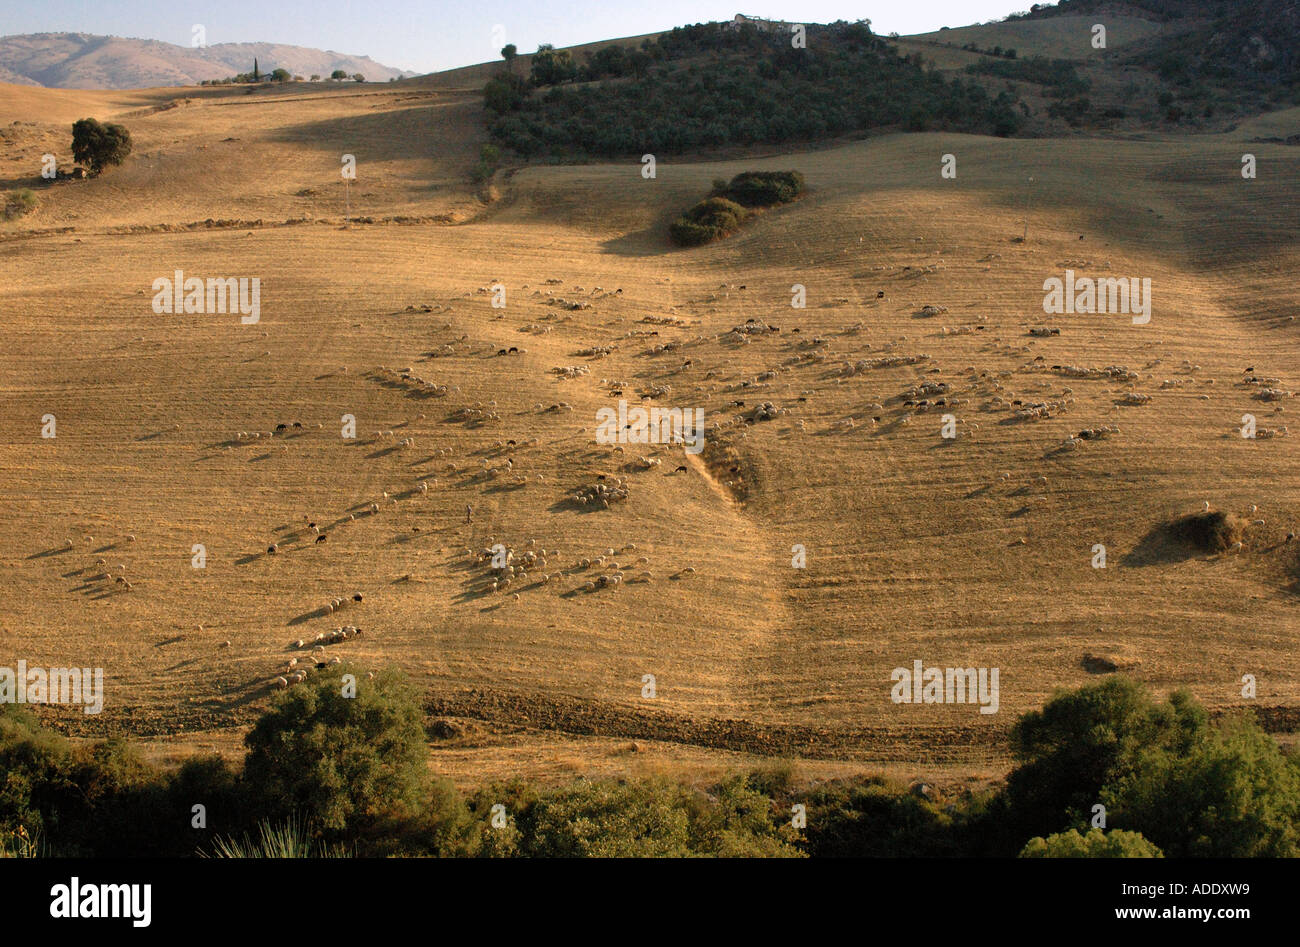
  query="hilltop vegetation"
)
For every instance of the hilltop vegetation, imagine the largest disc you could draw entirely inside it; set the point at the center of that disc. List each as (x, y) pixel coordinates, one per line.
(1243, 48)
(702, 87)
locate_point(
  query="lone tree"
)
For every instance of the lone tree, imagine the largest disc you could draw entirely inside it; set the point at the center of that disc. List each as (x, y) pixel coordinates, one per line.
(257, 76)
(338, 74)
(508, 53)
(99, 145)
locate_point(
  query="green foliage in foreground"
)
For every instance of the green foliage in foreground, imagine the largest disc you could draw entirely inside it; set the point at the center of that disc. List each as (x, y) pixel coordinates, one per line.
(329, 775)
(1096, 844)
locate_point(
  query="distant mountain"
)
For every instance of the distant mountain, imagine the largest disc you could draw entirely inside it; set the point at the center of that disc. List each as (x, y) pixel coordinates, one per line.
(85, 61)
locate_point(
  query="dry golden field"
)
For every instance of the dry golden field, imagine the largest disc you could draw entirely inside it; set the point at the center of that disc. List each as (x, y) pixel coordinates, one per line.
(919, 547)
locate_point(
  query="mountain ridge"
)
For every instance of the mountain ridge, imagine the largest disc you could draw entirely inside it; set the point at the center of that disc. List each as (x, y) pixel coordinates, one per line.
(94, 61)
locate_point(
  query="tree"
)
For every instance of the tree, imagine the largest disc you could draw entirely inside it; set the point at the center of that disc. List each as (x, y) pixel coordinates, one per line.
(508, 53)
(257, 76)
(552, 66)
(1234, 795)
(1085, 740)
(281, 75)
(315, 77)
(358, 77)
(338, 74)
(97, 145)
(341, 761)
(505, 93)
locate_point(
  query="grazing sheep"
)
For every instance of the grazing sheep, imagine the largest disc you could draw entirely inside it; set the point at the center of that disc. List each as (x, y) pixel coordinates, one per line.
(272, 549)
(321, 538)
(280, 683)
(223, 645)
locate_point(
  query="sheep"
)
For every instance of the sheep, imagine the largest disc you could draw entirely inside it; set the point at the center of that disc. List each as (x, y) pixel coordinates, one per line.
(272, 549)
(223, 645)
(321, 538)
(280, 683)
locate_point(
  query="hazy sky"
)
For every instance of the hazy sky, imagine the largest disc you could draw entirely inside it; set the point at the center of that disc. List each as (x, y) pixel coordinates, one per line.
(439, 34)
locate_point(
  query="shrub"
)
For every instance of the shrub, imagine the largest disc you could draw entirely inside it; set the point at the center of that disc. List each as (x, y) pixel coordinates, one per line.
(504, 93)
(98, 145)
(1234, 795)
(347, 763)
(1116, 843)
(765, 188)
(18, 203)
(1081, 742)
(1210, 532)
(868, 819)
(708, 220)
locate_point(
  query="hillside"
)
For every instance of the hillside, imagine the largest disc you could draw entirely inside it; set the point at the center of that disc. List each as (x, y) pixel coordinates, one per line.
(84, 61)
(954, 552)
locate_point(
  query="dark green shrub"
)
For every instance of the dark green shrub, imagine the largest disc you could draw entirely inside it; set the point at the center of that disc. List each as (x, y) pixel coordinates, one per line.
(1080, 743)
(709, 220)
(868, 819)
(346, 763)
(765, 188)
(1233, 795)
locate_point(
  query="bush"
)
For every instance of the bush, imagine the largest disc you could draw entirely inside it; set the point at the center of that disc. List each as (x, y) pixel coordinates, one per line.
(1209, 532)
(1080, 743)
(346, 763)
(18, 203)
(708, 220)
(98, 146)
(1096, 844)
(765, 188)
(1234, 795)
(866, 818)
(654, 818)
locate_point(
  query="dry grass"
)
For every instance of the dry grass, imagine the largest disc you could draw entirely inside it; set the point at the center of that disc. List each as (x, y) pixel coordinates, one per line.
(917, 549)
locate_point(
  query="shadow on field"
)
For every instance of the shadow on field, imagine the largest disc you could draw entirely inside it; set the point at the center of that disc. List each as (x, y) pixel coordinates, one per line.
(1160, 546)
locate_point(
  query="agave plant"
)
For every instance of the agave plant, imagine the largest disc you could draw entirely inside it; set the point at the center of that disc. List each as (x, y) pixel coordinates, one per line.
(290, 839)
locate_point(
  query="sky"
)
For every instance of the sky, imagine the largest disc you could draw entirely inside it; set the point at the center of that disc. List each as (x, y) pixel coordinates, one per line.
(429, 35)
